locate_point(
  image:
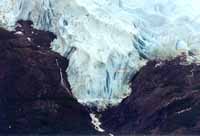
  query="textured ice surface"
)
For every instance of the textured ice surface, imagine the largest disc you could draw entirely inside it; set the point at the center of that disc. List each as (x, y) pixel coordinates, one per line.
(107, 41)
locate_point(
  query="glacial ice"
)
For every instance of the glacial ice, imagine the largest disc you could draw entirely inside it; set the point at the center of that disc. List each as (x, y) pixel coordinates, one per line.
(108, 41)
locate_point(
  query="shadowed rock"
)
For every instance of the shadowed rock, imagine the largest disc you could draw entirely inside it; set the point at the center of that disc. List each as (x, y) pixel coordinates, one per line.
(5, 35)
(165, 100)
(35, 96)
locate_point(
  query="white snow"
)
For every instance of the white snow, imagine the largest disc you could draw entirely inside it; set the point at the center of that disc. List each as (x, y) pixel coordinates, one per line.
(19, 33)
(29, 39)
(96, 122)
(159, 64)
(110, 37)
(184, 110)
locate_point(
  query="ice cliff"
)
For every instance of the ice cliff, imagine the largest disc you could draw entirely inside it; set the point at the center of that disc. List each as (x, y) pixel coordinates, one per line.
(108, 41)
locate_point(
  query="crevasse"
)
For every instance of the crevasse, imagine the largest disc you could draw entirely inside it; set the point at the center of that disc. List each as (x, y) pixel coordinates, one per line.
(108, 41)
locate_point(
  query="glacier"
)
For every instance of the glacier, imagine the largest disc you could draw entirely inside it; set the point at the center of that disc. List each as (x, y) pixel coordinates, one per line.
(108, 41)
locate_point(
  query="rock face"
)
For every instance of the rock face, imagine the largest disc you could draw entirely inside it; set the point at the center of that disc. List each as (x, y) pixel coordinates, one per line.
(165, 99)
(35, 96)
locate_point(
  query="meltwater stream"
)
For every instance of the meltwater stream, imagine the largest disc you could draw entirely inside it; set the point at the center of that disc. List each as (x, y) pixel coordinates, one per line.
(108, 41)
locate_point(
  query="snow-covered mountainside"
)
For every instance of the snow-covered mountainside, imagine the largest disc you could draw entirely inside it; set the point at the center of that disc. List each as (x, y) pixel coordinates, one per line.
(108, 41)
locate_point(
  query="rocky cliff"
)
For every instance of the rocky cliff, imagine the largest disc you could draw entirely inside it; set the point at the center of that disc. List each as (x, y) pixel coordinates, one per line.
(35, 96)
(165, 99)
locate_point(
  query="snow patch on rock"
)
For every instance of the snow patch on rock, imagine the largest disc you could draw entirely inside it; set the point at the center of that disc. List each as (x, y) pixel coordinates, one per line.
(96, 123)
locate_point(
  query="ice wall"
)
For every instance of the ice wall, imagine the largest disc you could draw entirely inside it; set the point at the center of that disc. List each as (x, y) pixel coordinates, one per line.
(107, 41)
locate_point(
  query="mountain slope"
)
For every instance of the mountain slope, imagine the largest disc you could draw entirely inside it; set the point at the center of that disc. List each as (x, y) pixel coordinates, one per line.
(165, 99)
(35, 96)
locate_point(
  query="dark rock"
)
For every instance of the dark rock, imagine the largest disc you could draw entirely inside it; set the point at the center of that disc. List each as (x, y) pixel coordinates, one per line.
(33, 37)
(5, 35)
(165, 100)
(32, 97)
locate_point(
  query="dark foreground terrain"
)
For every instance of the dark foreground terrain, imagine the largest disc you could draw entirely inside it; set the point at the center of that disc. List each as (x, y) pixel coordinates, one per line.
(165, 100)
(35, 96)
